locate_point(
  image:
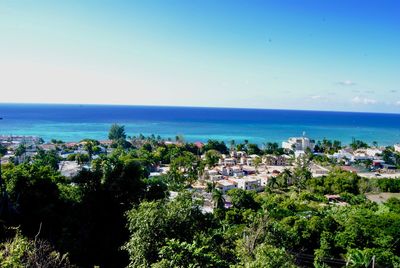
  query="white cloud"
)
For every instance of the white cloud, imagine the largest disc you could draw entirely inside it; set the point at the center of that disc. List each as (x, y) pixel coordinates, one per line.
(347, 83)
(362, 100)
(316, 97)
(398, 103)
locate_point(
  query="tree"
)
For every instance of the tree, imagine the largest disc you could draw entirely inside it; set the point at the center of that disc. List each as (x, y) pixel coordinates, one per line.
(218, 199)
(242, 199)
(273, 182)
(215, 145)
(117, 133)
(257, 161)
(153, 224)
(253, 149)
(232, 145)
(357, 144)
(90, 146)
(189, 254)
(22, 252)
(210, 187)
(272, 257)
(285, 178)
(301, 172)
(212, 157)
(47, 158)
(271, 147)
(3, 150)
(20, 150)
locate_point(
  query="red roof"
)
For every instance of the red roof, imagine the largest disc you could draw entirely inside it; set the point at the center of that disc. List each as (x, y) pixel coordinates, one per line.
(198, 144)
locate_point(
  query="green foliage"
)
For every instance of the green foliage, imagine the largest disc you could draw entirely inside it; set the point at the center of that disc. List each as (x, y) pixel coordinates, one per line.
(219, 146)
(270, 256)
(301, 173)
(183, 170)
(336, 182)
(327, 146)
(47, 158)
(273, 148)
(212, 157)
(114, 204)
(155, 189)
(20, 150)
(183, 254)
(388, 185)
(117, 132)
(218, 199)
(358, 144)
(152, 223)
(3, 150)
(253, 149)
(243, 199)
(22, 252)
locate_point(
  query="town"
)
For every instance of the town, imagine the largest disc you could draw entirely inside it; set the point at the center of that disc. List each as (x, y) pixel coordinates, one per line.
(242, 166)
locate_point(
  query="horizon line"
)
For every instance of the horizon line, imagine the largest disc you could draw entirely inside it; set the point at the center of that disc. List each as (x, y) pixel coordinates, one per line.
(189, 106)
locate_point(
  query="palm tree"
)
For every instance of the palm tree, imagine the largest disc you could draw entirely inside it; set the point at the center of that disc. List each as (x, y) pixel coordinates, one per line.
(88, 147)
(285, 177)
(218, 199)
(210, 187)
(273, 182)
(232, 143)
(257, 162)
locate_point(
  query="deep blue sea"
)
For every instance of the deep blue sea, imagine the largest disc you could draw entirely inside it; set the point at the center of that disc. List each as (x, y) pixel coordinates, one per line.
(76, 122)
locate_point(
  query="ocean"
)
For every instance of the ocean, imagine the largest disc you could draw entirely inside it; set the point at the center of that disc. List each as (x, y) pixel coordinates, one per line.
(76, 122)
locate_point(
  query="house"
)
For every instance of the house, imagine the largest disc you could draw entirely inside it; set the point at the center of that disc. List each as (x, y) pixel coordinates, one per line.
(373, 152)
(225, 185)
(248, 183)
(229, 161)
(249, 171)
(227, 171)
(272, 160)
(342, 155)
(377, 163)
(237, 172)
(198, 144)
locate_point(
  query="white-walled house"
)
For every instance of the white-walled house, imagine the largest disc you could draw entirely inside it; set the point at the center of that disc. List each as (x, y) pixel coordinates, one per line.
(225, 185)
(248, 183)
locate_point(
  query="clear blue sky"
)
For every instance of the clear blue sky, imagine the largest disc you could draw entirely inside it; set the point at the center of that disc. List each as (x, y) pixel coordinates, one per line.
(320, 55)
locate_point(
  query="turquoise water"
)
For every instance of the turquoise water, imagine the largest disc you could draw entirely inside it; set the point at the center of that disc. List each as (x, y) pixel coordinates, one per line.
(75, 122)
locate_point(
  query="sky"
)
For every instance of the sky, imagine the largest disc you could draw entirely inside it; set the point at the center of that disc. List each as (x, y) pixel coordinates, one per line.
(287, 54)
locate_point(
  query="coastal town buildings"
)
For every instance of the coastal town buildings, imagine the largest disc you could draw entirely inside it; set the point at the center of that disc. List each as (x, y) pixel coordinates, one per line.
(397, 148)
(298, 144)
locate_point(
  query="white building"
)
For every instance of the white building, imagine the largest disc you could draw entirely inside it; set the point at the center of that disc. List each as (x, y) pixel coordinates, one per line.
(227, 171)
(248, 183)
(373, 152)
(298, 144)
(229, 161)
(397, 147)
(225, 185)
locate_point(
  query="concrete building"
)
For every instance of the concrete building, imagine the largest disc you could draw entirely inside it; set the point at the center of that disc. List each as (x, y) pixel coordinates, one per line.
(272, 160)
(225, 185)
(397, 148)
(298, 144)
(249, 183)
